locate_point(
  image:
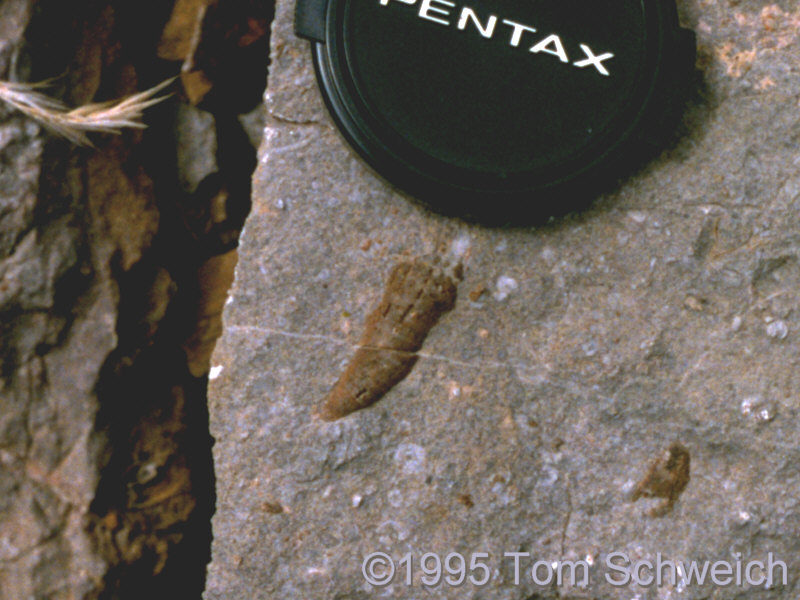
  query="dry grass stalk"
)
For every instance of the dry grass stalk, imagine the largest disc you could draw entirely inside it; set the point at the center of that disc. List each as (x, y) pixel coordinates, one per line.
(74, 124)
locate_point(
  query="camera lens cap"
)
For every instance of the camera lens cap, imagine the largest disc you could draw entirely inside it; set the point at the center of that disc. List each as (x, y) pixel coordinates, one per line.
(501, 109)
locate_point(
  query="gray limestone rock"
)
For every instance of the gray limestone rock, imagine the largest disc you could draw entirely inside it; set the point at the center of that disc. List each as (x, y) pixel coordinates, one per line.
(196, 146)
(575, 355)
(49, 369)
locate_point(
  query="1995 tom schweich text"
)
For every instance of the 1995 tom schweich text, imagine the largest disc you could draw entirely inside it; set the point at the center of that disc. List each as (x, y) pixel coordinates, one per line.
(617, 569)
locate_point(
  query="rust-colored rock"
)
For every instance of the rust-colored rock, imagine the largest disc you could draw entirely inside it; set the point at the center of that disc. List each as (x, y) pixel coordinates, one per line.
(213, 279)
(182, 30)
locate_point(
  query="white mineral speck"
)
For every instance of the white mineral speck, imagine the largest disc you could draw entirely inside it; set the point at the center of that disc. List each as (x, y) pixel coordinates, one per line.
(748, 403)
(549, 476)
(357, 500)
(758, 409)
(453, 390)
(391, 532)
(777, 329)
(744, 516)
(504, 287)
(637, 217)
(736, 324)
(215, 372)
(460, 245)
(395, 498)
(410, 457)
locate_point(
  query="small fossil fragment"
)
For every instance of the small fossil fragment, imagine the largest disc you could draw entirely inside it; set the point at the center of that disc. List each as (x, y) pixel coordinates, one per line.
(666, 478)
(417, 294)
(273, 508)
(477, 292)
(466, 500)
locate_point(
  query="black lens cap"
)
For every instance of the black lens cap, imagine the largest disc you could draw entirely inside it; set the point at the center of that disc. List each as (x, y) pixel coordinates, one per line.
(501, 109)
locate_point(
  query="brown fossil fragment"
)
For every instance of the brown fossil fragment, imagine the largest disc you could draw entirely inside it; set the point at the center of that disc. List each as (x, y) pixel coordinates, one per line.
(666, 478)
(417, 294)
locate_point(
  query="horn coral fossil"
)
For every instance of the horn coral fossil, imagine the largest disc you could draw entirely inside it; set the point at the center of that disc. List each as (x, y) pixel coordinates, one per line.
(417, 294)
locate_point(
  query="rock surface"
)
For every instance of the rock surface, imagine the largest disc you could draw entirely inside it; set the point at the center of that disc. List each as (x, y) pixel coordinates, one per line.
(114, 266)
(50, 358)
(576, 354)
